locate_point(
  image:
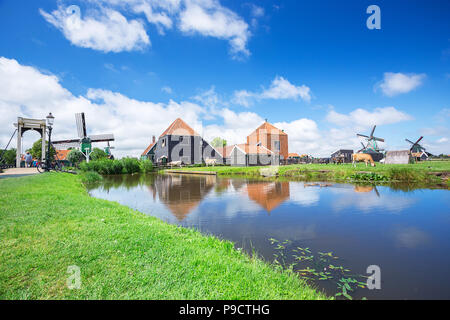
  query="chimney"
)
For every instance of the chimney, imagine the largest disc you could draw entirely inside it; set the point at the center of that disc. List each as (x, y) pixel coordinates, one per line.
(153, 139)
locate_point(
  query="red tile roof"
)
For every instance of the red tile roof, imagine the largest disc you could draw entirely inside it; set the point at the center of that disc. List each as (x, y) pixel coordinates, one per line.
(61, 154)
(294, 155)
(270, 129)
(179, 128)
(148, 148)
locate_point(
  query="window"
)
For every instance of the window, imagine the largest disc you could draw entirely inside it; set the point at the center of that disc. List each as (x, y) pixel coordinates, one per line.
(163, 143)
(276, 145)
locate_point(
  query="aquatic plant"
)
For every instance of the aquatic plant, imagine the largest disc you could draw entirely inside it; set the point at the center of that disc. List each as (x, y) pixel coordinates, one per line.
(320, 266)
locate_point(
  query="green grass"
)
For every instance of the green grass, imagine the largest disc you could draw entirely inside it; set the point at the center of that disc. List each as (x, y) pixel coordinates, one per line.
(48, 222)
(426, 171)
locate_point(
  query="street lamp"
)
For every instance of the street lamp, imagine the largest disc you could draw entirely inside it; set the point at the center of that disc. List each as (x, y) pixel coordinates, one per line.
(50, 120)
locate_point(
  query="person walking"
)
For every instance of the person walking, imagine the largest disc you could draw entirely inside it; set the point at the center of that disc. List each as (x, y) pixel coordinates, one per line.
(28, 159)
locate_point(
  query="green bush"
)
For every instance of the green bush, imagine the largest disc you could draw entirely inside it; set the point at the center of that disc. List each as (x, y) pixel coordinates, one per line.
(75, 156)
(146, 166)
(125, 165)
(98, 154)
(404, 174)
(131, 165)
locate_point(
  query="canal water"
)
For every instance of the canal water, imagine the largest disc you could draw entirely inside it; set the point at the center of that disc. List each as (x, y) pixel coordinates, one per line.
(405, 232)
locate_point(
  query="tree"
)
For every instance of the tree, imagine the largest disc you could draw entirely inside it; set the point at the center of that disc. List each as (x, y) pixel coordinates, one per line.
(9, 157)
(36, 150)
(75, 156)
(98, 154)
(218, 142)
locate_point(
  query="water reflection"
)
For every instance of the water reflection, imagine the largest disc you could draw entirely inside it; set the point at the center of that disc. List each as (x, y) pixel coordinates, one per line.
(268, 195)
(404, 232)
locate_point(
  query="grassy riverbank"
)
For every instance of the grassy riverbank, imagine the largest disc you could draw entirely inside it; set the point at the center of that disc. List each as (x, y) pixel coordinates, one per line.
(425, 172)
(48, 222)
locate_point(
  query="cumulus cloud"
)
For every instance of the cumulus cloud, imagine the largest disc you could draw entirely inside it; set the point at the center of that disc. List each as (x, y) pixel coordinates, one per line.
(27, 92)
(279, 89)
(363, 118)
(397, 83)
(104, 29)
(210, 18)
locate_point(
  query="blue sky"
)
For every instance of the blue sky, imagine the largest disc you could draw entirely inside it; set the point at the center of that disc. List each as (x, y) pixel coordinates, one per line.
(312, 68)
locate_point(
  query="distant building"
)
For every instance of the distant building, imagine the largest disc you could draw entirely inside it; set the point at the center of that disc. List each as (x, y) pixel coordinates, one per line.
(179, 142)
(272, 138)
(398, 157)
(149, 153)
(342, 155)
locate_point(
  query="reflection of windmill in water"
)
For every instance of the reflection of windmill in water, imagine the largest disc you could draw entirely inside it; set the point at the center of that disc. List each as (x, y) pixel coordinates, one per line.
(371, 146)
(417, 150)
(84, 142)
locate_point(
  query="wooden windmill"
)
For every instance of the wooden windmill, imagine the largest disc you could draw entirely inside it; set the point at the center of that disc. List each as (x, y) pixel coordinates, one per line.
(417, 150)
(84, 142)
(372, 145)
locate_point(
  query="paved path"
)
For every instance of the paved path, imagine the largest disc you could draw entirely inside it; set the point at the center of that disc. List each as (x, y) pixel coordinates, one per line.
(17, 172)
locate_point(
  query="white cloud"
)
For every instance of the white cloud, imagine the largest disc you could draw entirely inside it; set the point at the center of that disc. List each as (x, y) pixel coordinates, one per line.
(167, 90)
(442, 140)
(27, 92)
(210, 18)
(398, 83)
(279, 89)
(362, 118)
(104, 29)
(283, 89)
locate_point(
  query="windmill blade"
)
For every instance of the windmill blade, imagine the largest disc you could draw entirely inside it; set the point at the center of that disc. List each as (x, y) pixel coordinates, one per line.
(410, 141)
(362, 135)
(419, 140)
(373, 130)
(81, 125)
(60, 145)
(102, 137)
(66, 141)
(378, 139)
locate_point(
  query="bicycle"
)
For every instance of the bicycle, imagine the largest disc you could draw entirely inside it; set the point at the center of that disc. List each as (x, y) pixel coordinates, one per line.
(54, 166)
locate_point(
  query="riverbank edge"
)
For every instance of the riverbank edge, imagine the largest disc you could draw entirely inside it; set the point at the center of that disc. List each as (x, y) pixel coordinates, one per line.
(338, 173)
(49, 223)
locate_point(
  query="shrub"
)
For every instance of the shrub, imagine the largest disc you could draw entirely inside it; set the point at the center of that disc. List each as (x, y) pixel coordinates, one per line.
(75, 156)
(146, 166)
(131, 165)
(98, 154)
(404, 174)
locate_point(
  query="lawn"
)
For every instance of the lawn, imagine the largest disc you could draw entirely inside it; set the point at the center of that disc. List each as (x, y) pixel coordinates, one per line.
(48, 222)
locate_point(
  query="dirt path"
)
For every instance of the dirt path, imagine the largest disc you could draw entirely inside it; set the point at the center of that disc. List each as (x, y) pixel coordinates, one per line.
(17, 172)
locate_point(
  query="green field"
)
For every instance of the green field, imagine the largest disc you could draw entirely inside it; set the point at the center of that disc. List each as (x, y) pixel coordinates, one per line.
(426, 171)
(48, 222)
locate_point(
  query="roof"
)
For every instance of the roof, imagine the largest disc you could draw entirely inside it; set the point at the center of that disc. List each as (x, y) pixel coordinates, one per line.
(270, 129)
(225, 151)
(62, 154)
(179, 128)
(253, 149)
(148, 148)
(293, 155)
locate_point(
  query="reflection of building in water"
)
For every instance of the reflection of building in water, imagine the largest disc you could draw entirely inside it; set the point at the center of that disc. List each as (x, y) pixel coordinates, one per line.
(269, 195)
(182, 193)
(363, 188)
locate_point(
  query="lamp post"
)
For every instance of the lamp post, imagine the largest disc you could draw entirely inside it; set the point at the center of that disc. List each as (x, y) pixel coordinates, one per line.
(50, 120)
